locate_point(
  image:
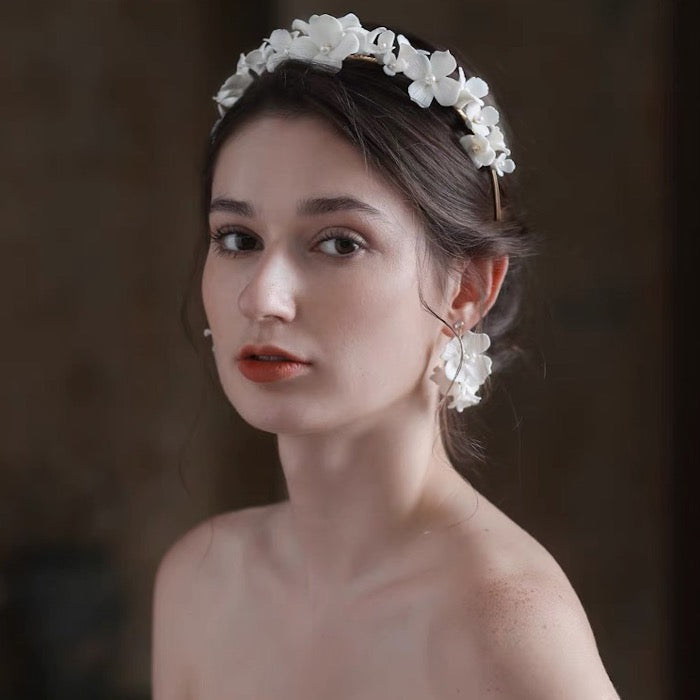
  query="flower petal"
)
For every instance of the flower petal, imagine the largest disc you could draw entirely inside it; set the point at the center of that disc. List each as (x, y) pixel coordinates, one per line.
(489, 116)
(280, 39)
(480, 129)
(496, 139)
(502, 164)
(349, 21)
(476, 343)
(452, 349)
(304, 48)
(472, 109)
(421, 93)
(256, 60)
(479, 369)
(417, 65)
(442, 63)
(348, 45)
(385, 41)
(438, 376)
(365, 41)
(325, 30)
(275, 59)
(301, 26)
(478, 149)
(453, 371)
(236, 83)
(446, 91)
(477, 87)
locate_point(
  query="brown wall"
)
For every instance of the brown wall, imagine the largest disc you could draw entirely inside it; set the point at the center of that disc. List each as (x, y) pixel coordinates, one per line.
(108, 108)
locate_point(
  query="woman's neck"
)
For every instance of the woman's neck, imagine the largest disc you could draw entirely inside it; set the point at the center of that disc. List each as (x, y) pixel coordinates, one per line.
(361, 496)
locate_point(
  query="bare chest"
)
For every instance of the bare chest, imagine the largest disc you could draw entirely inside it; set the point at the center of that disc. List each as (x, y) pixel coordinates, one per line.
(392, 649)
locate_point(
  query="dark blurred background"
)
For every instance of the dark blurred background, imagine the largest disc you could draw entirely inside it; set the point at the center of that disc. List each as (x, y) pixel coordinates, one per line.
(114, 439)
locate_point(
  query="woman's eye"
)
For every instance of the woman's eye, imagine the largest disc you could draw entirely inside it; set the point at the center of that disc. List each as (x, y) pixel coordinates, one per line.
(233, 243)
(340, 246)
(229, 242)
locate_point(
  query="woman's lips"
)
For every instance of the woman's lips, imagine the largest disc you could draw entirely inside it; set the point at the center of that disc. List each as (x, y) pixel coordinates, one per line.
(270, 370)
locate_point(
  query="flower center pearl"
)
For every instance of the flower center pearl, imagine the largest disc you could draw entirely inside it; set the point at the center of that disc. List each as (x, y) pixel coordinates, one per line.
(325, 49)
(429, 79)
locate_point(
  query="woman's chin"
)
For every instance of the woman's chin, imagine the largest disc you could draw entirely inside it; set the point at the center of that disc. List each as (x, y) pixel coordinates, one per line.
(273, 416)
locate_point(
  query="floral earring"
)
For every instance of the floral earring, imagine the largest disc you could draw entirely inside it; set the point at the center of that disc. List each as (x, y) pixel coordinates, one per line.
(207, 334)
(461, 386)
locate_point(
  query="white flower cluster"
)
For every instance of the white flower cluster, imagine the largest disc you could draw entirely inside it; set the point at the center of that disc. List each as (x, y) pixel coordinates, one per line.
(476, 367)
(329, 41)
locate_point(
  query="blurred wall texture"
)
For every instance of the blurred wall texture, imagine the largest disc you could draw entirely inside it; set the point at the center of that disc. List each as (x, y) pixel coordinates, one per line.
(113, 438)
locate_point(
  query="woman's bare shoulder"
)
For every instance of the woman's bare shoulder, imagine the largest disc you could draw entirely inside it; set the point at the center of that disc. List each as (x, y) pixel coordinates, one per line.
(193, 579)
(537, 640)
(209, 549)
(522, 618)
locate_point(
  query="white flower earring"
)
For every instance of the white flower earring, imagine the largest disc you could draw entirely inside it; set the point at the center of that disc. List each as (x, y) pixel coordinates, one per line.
(207, 334)
(461, 386)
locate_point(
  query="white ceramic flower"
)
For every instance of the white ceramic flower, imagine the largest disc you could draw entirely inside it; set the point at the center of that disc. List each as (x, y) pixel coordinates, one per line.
(463, 397)
(280, 43)
(380, 42)
(460, 398)
(349, 21)
(394, 64)
(481, 119)
(232, 89)
(327, 42)
(497, 141)
(479, 149)
(503, 164)
(461, 386)
(474, 345)
(462, 383)
(471, 90)
(366, 38)
(429, 76)
(330, 40)
(256, 60)
(486, 118)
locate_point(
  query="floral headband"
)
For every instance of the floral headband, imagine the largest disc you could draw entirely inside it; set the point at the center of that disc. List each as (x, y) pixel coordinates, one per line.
(329, 41)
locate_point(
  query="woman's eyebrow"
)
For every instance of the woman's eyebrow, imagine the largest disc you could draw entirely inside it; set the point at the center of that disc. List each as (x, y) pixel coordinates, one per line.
(328, 205)
(232, 206)
(307, 207)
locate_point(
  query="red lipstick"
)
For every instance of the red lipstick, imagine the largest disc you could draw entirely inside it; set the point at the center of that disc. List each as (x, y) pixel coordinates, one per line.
(268, 363)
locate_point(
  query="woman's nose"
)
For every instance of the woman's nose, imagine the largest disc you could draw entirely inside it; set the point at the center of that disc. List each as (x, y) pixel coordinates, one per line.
(270, 289)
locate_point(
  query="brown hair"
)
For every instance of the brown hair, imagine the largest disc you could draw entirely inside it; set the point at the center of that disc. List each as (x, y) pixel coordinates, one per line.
(418, 152)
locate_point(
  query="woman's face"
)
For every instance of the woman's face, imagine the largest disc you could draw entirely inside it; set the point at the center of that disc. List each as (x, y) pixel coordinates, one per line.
(315, 254)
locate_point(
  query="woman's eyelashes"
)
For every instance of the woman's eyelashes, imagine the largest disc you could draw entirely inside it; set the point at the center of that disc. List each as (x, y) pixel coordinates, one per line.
(228, 242)
(346, 239)
(231, 242)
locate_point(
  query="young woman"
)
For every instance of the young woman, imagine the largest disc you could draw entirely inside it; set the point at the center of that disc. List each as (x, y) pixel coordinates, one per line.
(361, 248)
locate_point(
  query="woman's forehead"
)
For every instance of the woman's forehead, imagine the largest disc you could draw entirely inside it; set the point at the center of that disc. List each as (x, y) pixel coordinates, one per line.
(297, 160)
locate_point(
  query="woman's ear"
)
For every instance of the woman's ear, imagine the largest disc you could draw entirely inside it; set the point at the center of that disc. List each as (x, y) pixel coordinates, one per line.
(478, 288)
